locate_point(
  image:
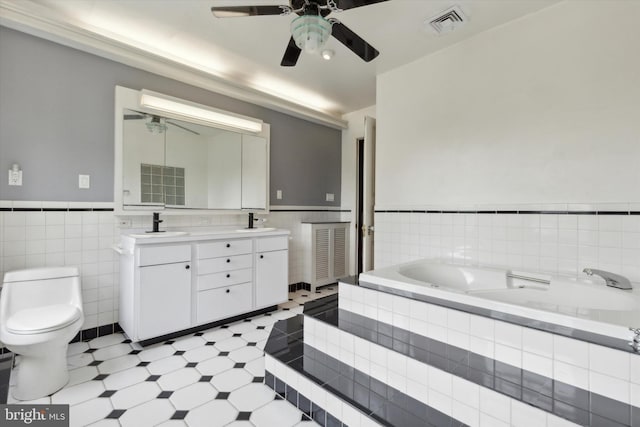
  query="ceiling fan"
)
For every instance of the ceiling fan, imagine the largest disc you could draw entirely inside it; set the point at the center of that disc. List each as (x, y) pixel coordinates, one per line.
(311, 29)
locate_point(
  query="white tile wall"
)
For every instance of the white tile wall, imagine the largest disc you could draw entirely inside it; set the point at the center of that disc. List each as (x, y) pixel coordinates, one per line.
(549, 243)
(85, 239)
(461, 399)
(602, 370)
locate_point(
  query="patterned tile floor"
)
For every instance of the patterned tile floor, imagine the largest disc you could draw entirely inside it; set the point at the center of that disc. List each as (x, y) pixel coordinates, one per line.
(210, 378)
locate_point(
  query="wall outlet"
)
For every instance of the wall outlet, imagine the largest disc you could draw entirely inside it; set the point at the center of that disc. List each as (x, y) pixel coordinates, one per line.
(279, 194)
(84, 181)
(329, 197)
(15, 177)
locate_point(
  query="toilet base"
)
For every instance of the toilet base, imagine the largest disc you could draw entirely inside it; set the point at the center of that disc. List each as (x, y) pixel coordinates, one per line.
(42, 373)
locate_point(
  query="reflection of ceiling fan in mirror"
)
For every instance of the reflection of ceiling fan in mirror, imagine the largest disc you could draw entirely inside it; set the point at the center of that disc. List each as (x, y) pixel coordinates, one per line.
(311, 29)
(156, 124)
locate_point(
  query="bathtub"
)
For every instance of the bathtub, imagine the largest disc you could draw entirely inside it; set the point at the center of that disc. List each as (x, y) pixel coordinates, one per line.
(580, 304)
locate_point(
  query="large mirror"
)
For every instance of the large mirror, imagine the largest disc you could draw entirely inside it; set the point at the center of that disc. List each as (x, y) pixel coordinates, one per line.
(175, 164)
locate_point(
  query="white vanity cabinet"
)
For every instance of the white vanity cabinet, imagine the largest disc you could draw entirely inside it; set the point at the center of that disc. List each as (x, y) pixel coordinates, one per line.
(168, 285)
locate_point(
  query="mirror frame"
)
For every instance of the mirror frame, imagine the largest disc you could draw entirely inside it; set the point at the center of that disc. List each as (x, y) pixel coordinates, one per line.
(126, 98)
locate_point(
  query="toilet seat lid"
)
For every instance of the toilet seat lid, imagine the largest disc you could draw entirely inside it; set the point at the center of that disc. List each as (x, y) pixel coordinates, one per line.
(42, 319)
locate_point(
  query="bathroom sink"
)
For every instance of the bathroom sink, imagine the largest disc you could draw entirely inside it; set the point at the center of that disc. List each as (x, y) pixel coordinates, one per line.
(159, 234)
(255, 230)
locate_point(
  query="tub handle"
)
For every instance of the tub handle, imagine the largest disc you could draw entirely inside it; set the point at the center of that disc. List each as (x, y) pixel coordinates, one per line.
(529, 278)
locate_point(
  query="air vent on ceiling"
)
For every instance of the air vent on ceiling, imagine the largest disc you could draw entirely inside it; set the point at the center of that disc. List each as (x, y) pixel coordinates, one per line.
(447, 21)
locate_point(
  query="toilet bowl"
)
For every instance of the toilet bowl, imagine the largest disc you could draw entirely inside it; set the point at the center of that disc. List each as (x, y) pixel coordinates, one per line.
(40, 312)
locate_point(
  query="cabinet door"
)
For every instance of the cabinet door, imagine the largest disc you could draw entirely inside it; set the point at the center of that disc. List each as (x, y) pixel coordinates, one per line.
(165, 299)
(272, 278)
(255, 173)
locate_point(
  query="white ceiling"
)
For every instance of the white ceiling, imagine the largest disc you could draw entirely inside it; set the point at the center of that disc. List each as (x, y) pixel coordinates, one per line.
(247, 51)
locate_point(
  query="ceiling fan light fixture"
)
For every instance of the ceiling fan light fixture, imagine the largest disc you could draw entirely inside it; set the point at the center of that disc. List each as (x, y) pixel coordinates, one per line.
(327, 54)
(310, 32)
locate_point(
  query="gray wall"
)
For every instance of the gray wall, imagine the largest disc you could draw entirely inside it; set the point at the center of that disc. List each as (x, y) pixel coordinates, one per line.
(56, 121)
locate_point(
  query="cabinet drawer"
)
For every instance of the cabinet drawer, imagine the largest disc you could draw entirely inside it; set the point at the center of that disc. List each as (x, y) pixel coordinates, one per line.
(216, 265)
(214, 304)
(153, 255)
(266, 244)
(224, 248)
(226, 278)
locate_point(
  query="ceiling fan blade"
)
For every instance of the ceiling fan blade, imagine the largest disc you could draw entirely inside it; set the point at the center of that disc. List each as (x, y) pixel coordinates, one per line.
(350, 4)
(291, 54)
(353, 41)
(238, 11)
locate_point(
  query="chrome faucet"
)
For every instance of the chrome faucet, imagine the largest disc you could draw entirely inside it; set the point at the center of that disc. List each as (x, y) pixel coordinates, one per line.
(612, 279)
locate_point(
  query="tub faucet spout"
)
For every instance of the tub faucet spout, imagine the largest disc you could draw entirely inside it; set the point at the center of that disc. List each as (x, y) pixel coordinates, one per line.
(612, 279)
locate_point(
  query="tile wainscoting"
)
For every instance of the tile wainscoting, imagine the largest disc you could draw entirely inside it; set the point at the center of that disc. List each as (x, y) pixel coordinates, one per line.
(559, 239)
(40, 234)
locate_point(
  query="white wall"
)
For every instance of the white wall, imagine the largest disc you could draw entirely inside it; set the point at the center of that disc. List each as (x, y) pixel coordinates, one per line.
(349, 170)
(544, 109)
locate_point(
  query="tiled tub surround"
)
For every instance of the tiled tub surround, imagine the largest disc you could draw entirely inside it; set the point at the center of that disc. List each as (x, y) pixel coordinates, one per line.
(585, 309)
(36, 234)
(210, 378)
(555, 239)
(498, 361)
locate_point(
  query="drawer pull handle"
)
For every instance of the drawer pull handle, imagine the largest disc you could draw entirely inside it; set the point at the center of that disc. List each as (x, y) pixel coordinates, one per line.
(228, 245)
(261, 256)
(228, 275)
(228, 260)
(228, 291)
(187, 267)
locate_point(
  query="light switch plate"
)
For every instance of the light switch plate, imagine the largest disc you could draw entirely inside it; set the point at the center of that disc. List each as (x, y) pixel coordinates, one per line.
(84, 181)
(329, 197)
(279, 194)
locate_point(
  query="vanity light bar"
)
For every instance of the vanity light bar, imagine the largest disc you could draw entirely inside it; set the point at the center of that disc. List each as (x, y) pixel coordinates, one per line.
(200, 113)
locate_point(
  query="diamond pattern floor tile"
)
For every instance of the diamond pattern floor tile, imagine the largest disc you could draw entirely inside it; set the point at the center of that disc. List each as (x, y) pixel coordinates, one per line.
(231, 379)
(118, 364)
(188, 343)
(166, 365)
(112, 351)
(81, 375)
(107, 341)
(277, 412)
(125, 378)
(135, 395)
(217, 335)
(214, 366)
(157, 352)
(255, 367)
(202, 415)
(251, 397)
(201, 353)
(147, 414)
(230, 344)
(179, 379)
(214, 375)
(89, 412)
(193, 395)
(78, 393)
(245, 354)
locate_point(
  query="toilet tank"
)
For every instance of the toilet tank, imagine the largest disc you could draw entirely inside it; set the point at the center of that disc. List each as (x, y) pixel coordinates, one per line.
(41, 286)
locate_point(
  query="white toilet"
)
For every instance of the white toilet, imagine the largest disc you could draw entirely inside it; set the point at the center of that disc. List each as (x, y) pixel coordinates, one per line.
(40, 312)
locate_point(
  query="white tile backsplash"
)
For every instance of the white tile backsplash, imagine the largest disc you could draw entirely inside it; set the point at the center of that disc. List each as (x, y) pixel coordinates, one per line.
(30, 239)
(552, 243)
